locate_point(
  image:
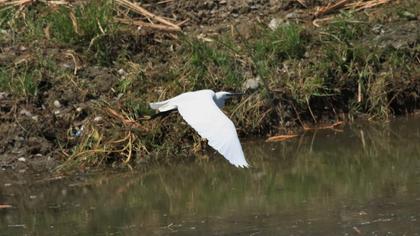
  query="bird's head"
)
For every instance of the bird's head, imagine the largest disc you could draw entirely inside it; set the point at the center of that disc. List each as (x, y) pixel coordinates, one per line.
(222, 96)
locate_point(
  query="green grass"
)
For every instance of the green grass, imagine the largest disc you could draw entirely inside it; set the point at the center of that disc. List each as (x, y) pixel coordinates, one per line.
(22, 83)
(346, 27)
(3, 80)
(82, 24)
(211, 65)
(272, 47)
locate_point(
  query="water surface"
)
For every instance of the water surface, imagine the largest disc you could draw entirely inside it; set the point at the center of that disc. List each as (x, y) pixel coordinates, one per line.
(361, 180)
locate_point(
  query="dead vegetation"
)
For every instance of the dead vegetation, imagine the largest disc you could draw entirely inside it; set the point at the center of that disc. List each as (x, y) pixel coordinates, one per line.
(348, 5)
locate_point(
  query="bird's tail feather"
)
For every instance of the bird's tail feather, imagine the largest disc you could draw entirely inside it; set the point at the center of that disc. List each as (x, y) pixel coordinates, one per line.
(162, 106)
(157, 105)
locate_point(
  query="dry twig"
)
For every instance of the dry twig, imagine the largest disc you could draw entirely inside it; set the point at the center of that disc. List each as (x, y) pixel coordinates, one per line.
(303, 3)
(365, 4)
(146, 25)
(142, 11)
(279, 138)
(333, 126)
(346, 4)
(23, 3)
(5, 206)
(330, 8)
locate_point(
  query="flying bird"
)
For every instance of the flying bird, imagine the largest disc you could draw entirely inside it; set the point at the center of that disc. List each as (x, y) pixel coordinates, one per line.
(201, 110)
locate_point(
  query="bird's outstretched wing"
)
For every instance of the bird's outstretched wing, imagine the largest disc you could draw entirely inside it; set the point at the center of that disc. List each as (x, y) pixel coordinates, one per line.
(200, 111)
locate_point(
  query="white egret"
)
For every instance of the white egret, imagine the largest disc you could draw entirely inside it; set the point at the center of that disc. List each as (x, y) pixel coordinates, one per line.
(201, 110)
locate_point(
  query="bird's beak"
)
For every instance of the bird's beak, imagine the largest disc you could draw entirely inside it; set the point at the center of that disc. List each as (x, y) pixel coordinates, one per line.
(235, 94)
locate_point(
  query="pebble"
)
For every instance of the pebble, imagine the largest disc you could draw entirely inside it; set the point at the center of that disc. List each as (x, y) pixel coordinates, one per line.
(67, 65)
(25, 112)
(57, 104)
(275, 23)
(22, 159)
(121, 71)
(3, 95)
(292, 15)
(98, 119)
(79, 109)
(252, 83)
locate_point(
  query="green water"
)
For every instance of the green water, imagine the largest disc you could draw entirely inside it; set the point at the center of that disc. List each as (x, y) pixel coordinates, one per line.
(364, 180)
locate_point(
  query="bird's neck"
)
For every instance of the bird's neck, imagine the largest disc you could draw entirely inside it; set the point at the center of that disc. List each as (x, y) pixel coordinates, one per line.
(220, 101)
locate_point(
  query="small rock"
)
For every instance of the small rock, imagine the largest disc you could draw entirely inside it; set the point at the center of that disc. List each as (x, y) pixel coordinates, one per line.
(3, 95)
(252, 83)
(98, 119)
(275, 23)
(292, 15)
(21, 159)
(57, 112)
(22, 48)
(122, 72)
(66, 65)
(253, 7)
(25, 112)
(79, 109)
(57, 104)
(35, 118)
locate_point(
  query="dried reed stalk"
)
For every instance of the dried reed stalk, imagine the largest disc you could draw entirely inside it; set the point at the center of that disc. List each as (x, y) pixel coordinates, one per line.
(27, 2)
(15, 2)
(303, 3)
(143, 24)
(142, 11)
(330, 8)
(279, 138)
(365, 4)
(333, 126)
(345, 4)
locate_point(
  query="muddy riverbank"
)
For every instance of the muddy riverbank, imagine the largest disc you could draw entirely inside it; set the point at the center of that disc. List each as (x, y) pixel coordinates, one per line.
(75, 84)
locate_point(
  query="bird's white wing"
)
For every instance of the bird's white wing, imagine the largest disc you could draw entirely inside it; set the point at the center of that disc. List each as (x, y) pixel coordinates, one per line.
(200, 111)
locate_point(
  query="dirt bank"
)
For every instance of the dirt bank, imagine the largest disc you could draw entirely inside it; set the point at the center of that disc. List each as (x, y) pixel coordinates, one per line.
(75, 84)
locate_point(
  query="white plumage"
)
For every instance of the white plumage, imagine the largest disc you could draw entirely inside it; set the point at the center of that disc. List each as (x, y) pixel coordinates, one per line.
(201, 110)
